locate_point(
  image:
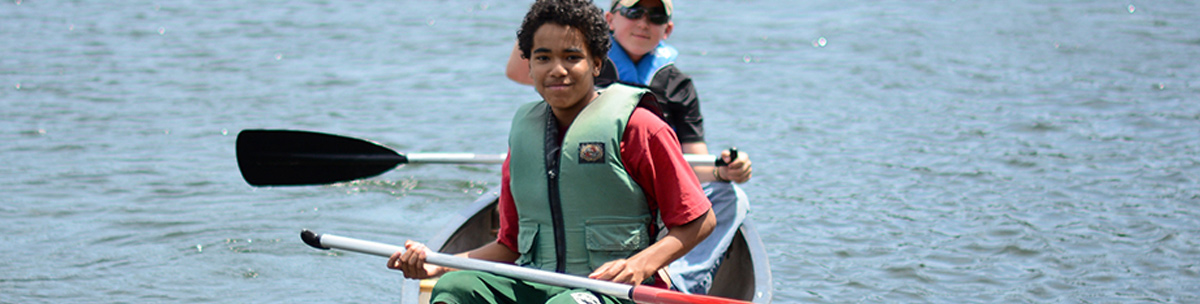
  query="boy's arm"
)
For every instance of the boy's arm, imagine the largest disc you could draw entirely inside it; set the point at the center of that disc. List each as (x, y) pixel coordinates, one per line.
(683, 107)
(502, 249)
(518, 68)
(654, 159)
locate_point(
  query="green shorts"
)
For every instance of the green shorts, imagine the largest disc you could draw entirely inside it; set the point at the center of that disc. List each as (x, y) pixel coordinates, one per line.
(466, 286)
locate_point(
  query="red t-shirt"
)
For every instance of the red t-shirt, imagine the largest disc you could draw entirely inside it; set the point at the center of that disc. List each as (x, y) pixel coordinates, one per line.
(670, 184)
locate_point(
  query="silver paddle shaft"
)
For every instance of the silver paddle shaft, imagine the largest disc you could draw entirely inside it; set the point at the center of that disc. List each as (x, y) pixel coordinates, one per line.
(533, 275)
(472, 158)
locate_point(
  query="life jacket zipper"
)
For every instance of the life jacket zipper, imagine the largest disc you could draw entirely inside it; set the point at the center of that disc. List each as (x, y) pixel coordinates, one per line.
(553, 148)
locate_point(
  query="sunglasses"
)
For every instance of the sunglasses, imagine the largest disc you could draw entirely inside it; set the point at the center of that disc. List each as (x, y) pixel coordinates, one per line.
(658, 16)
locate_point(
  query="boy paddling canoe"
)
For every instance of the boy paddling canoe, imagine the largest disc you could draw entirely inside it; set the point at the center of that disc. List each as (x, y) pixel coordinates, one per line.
(587, 173)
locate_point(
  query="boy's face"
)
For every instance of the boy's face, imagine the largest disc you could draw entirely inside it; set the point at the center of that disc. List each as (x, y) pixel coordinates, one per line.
(562, 68)
(639, 36)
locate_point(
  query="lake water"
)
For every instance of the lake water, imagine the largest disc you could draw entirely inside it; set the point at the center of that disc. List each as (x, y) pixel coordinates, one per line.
(904, 151)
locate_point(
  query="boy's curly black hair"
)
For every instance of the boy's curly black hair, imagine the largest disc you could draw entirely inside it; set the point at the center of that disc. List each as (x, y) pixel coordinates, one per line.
(580, 14)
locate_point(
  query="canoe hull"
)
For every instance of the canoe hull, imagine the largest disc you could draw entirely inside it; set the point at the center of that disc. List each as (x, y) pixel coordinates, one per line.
(744, 274)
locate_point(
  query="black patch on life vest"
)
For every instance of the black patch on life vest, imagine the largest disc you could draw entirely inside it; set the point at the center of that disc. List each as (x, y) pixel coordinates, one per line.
(591, 153)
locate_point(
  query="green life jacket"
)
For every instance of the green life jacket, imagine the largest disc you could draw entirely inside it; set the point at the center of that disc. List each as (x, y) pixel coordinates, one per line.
(579, 208)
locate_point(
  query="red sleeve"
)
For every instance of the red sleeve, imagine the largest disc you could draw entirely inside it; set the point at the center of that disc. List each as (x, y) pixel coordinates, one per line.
(509, 226)
(654, 159)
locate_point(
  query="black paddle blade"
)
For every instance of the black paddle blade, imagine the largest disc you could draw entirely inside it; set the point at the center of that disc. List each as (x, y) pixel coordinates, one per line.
(293, 158)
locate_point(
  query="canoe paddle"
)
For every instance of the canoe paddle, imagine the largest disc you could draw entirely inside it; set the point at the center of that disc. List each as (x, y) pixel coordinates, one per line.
(639, 294)
(293, 158)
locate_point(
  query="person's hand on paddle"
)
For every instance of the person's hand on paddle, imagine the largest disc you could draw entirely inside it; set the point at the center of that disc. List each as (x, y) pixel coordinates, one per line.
(738, 170)
(625, 271)
(411, 261)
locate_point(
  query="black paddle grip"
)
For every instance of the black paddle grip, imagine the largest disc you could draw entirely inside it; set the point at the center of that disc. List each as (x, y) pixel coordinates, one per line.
(312, 239)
